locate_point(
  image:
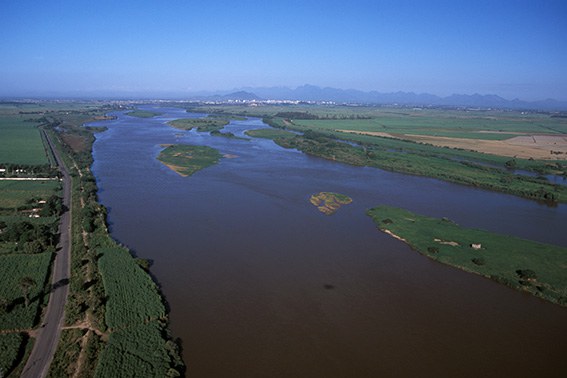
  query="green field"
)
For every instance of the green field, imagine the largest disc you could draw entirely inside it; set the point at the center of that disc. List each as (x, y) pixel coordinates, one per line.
(187, 159)
(143, 114)
(19, 193)
(13, 268)
(132, 296)
(537, 268)
(20, 141)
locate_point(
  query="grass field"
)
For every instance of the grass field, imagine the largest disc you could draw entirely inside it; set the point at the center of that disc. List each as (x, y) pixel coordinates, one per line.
(537, 268)
(186, 159)
(19, 193)
(20, 141)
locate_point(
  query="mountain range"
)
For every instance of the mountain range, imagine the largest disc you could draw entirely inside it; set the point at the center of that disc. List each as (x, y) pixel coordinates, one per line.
(315, 93)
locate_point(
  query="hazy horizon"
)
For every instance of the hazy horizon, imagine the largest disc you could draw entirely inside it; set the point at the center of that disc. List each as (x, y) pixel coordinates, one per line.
(513, 49)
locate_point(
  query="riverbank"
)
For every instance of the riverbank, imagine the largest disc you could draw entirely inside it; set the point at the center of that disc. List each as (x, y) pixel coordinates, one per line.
(537, 268)
(116, 319)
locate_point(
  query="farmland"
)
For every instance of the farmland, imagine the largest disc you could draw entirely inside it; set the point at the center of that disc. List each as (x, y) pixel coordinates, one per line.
(21, 193)
(21, 142)
(537, 268)
(396, 140)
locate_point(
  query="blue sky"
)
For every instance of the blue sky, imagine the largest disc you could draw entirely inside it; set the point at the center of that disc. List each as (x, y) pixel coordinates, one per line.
(511, 48)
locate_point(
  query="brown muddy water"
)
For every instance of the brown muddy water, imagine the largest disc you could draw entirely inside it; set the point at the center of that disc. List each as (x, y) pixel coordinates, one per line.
(261, 284)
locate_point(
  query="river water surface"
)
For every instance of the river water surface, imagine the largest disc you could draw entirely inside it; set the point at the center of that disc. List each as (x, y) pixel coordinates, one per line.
(261, 284)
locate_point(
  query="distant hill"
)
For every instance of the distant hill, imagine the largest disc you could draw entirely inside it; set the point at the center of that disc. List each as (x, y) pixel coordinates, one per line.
(315, 93)
(241, 95)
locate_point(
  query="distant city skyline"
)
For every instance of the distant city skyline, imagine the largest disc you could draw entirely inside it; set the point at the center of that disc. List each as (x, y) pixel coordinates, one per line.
(514, 49)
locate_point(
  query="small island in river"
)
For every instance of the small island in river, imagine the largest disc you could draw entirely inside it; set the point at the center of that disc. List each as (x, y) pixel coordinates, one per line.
(328, 203)
(143, 114)
(188, 159)
(533, 267)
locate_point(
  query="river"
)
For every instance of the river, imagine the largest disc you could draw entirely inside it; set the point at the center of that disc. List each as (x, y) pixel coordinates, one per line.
(260, 284)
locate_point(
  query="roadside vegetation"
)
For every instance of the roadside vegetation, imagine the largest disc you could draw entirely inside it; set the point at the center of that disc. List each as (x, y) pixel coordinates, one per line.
(536, 268)
(30, 206)
(188, 159)
(105, 278)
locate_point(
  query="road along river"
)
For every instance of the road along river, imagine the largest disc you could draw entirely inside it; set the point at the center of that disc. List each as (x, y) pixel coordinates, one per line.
(261, 284)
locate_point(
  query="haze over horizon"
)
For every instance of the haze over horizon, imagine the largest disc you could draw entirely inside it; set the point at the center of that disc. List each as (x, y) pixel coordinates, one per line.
(513, 49)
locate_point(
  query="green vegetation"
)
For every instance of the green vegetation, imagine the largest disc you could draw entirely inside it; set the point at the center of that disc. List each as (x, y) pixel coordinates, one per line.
(11, 345)
(140, 351)
(207, 124)
(143, 114)
(21, 141)
(188, 159)
(269, 133)
(24, 284)
(16, 194)
(133, 299)
(324, 128)
(537, 268)
(427, 164)
(113, 302)
(328, 203)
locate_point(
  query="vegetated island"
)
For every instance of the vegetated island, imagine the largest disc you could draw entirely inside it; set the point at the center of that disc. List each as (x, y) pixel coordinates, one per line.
(206, 124)
(143, 114)
(328, 203)
(212, 124)
(188, 159)
(537, 268)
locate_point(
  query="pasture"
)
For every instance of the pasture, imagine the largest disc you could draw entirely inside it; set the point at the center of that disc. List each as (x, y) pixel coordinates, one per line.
(20, 141)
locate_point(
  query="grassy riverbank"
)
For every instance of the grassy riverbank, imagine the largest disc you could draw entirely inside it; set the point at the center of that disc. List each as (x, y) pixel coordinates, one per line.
(187, 159)
(116, 320)
(429, 142)
(537, 268)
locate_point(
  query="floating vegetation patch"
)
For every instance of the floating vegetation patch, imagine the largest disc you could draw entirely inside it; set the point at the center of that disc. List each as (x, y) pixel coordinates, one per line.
(328, 203)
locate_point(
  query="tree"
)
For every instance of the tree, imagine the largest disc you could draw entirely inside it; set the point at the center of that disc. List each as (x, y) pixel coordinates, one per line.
(26, 283)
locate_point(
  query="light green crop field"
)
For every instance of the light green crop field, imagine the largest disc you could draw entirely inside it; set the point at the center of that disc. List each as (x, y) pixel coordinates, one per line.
(17, 193)
(448, 125)
(20, 141)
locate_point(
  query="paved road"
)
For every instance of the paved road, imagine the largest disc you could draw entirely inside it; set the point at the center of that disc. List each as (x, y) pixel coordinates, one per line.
(48, 334)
